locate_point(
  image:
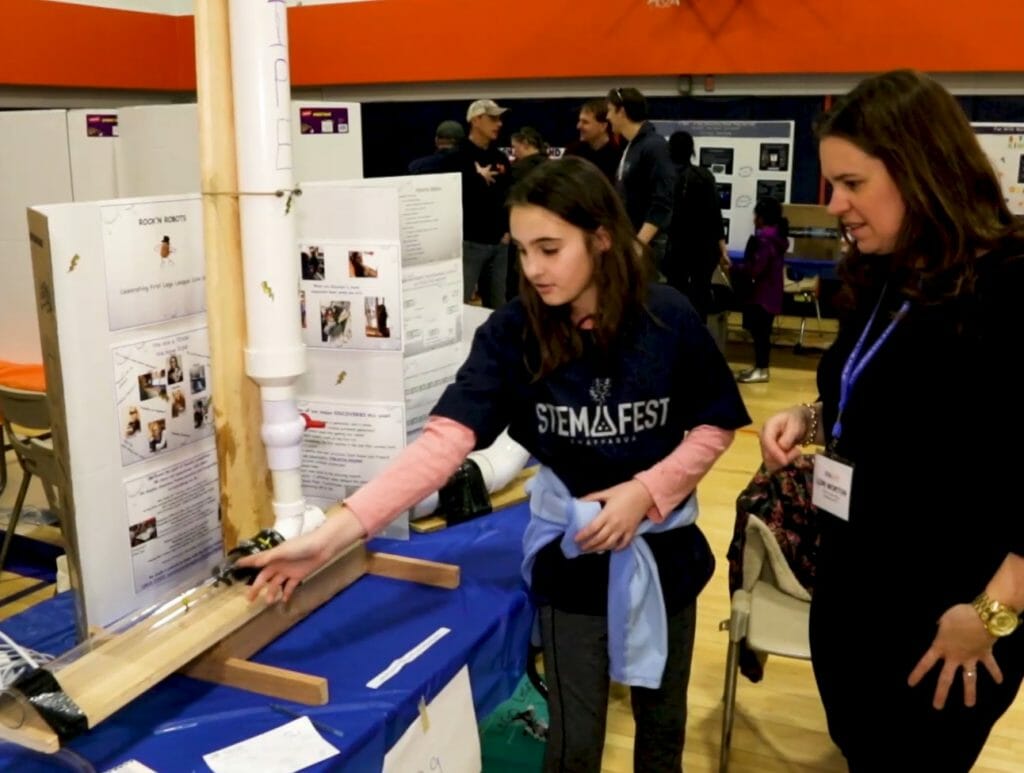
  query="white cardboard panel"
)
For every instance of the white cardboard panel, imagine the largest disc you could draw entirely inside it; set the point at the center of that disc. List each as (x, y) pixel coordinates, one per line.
(35, 170)
(93, 175)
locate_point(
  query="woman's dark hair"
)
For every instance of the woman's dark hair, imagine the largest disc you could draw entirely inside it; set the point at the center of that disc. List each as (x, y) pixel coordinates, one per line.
(578, 192)
(954, 206)
(769, 210)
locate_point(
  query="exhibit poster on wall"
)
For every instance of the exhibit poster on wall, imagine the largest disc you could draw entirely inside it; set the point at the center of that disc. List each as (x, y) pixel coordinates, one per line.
(750, 160)
(120, 286)
(1003, 143)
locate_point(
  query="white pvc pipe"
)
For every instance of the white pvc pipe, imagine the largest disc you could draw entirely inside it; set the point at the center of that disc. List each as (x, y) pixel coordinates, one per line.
(499, 463)
(275, 355)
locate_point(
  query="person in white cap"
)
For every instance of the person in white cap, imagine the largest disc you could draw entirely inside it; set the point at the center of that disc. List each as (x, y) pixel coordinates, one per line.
(485, 182)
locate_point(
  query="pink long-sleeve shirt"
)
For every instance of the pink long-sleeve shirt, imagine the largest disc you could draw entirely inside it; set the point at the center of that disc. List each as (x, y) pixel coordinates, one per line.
(428, 462)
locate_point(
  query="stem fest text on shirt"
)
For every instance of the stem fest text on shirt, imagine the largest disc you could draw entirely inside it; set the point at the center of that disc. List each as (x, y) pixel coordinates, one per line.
(602, 421)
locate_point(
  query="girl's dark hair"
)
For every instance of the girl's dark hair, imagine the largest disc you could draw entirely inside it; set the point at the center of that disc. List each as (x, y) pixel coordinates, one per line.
(954, 206)
(578, 192)
(769, 210)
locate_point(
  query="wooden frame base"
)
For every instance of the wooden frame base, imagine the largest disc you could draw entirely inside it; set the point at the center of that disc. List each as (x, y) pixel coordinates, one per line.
(226, 663)
(211, 640)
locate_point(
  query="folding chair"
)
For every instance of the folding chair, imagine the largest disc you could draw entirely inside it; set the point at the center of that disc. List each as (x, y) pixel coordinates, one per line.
(26, 426)
(770, 606)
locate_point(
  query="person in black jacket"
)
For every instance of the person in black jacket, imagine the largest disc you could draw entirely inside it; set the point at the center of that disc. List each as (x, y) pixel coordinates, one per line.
(646, 177)
(696, 241)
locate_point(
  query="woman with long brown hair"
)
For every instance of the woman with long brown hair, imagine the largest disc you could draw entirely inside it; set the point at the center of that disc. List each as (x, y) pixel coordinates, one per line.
(915, 635)
(617, 389)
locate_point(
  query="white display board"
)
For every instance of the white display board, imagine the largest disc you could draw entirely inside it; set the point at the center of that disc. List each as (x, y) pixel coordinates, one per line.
(749, 159)
(122, 303)
(1003, 143)
(34, 169)
(92, 136)
(327, 140)
(375, 376)
(157, 150)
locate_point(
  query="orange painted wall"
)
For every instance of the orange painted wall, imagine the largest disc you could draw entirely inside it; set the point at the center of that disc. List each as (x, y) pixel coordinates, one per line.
(54, 44)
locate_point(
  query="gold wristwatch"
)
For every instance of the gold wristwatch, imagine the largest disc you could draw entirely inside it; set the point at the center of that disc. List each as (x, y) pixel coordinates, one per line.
(999, 619)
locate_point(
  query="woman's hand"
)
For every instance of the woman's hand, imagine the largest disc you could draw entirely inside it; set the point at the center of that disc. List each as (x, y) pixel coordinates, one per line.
(625, 505)
(285, 566)
(781, 436)
(961, 642)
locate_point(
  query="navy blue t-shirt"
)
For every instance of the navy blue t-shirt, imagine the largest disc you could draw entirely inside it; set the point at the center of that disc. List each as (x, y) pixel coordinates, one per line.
(599, 420)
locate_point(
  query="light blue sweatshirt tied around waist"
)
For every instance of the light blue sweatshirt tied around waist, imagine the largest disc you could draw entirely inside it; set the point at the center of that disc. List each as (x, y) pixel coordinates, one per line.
(637, 625)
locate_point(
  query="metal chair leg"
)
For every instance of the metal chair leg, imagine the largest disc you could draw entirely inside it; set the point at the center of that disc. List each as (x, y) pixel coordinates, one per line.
(12, 522)
(729, 704)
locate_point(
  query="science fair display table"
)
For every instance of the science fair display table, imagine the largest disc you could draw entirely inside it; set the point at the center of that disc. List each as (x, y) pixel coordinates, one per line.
(350, 640)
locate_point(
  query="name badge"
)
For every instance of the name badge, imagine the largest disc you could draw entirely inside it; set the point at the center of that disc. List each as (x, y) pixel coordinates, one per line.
(832, 483)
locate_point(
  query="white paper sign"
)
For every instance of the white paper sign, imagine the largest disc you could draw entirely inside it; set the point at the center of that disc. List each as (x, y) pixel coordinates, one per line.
(163, 395)
(285, 749)
(360, 439)
(833, 481)
(445, 739)
(432, 300)
(173, 526)
(154, 261)
(350, 295)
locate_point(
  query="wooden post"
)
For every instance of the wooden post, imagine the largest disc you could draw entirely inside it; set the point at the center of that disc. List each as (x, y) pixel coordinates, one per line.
(245, 490)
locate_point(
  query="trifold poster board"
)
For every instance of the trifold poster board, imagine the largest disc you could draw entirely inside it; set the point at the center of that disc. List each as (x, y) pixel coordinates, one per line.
(34, 169)
(1003, 143)
(381, 305)
(750, 160)
(121, 290)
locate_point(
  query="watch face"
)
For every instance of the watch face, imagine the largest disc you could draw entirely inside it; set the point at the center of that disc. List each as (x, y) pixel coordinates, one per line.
(1003, 623)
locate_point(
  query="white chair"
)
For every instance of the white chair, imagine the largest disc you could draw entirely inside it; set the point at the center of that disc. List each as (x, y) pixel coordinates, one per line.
(26, 427)
(770, 611)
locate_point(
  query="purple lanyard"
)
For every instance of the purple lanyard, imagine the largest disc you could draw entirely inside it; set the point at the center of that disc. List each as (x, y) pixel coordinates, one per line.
(855, 364)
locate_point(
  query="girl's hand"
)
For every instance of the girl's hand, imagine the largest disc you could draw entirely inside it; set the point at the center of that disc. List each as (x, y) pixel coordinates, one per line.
(962, 641)
(285, 566)
(625, 505)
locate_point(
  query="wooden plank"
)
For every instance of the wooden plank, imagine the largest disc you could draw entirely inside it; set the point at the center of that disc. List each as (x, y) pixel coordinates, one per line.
(278, 618)
(263, 679)
(414, 569)
(241, 458)
(32, 732)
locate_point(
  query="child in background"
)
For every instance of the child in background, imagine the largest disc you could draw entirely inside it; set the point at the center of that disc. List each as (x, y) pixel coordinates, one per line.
(764, 267)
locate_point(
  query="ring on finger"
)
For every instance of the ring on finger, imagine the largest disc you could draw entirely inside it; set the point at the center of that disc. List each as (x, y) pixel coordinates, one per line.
(969, 674)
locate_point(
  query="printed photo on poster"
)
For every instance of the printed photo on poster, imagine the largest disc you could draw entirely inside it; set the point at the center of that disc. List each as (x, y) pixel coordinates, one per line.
(336, 322)
(774, 157)
(311, 261)
(155, 267)
(718, 161)
(353, 300)
(358, 267)
(724, 191)
(157, 408)
(775, 189)
(377, 317)
(173, 524)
